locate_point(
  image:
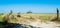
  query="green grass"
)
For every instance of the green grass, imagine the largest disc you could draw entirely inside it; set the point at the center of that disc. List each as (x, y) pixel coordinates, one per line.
(1, 18)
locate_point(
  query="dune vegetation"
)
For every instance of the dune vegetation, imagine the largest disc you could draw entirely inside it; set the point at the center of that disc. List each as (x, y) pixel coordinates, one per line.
(26, 18)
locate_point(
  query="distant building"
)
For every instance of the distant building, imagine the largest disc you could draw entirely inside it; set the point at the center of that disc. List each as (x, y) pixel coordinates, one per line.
(29, 11)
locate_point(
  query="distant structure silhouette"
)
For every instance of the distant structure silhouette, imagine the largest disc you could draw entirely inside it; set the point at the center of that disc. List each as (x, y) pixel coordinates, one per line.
(57, 13)
(10, 12)
(29, 11)
(57, 16)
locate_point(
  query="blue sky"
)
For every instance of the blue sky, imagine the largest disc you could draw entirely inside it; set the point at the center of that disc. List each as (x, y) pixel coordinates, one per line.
(36, 6)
